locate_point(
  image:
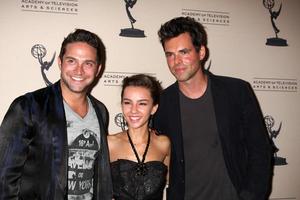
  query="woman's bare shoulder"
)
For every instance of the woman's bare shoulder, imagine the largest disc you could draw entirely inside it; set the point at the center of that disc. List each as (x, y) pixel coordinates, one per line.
(162, 140)
(114, 135)
(161, 137)
(115, 138)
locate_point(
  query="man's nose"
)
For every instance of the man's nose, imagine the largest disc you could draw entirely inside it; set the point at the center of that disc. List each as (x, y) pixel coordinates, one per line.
(79, 68)
(177, 59)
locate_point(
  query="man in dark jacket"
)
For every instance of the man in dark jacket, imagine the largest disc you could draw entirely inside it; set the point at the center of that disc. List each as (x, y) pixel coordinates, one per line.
(53, 141)
(220, 146)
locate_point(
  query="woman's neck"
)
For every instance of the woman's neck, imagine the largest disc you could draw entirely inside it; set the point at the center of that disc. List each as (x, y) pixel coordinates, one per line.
(140, 135)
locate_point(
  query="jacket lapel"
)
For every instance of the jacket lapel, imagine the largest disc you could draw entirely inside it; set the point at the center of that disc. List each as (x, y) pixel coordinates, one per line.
(221, 110)
(175, 121)
(59, 136)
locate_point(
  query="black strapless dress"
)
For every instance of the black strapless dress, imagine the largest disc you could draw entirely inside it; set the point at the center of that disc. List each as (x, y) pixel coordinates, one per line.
(130, 185)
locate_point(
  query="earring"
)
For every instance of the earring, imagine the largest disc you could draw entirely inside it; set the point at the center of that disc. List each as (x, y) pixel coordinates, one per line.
(150, 123)
(124, 124)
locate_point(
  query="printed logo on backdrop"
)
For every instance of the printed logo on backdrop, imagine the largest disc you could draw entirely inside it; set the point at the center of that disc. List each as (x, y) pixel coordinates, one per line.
(120, 121)
(131, 32)
(274, 41)
(116, 78)
(38, 51)
(208, 17)
(50, 6)
(275, 85)
(273, 133)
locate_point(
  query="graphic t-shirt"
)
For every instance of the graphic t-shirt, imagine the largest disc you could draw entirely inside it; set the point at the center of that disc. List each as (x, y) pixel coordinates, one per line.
(83, 140)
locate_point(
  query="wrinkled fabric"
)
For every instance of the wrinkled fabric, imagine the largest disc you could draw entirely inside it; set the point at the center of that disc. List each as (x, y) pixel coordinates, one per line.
(244, 139)
(128, 185)
(33, 148)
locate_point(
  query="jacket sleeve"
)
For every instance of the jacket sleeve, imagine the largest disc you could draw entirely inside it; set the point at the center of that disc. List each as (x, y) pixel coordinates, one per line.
(14, 141)
(259, 151)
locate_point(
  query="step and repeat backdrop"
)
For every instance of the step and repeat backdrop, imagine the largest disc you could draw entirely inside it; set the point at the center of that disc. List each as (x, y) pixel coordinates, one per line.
(257, 41)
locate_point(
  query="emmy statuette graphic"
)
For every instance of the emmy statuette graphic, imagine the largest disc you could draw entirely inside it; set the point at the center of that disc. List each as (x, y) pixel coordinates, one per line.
(131, 32)
(269, 121)
(39, 51)
(120, 121)
(274, 41)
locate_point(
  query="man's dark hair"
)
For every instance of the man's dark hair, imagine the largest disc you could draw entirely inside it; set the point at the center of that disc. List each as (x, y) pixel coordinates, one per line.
(81, 35)
(179, 25)
(145, 81)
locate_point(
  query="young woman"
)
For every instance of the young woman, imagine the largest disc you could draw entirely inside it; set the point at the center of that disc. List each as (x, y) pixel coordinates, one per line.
(139, 156)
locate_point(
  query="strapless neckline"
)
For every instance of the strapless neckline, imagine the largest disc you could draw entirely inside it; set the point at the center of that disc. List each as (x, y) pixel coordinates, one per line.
(135, 162)
(129, 185)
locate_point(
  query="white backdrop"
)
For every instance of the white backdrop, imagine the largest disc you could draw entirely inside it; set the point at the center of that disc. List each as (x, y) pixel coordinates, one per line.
(237, 33)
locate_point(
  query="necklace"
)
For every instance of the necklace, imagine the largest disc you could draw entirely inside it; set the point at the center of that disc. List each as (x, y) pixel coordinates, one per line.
(141, 168)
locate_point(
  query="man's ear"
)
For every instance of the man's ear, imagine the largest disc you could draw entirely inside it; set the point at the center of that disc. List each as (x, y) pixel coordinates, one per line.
(99, 69)
(202, 52)
(59, 62)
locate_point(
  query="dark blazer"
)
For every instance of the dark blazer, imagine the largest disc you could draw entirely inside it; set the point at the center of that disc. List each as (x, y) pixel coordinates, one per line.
(33, 148)
(243, 136)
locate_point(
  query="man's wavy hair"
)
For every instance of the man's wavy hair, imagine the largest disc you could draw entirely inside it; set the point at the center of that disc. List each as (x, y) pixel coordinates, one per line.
(81, 35)
(179, 25)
